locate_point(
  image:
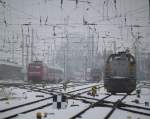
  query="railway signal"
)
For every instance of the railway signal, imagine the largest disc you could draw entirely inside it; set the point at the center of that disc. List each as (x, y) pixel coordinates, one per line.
(60, 101)
(138, 93)
(146, 104)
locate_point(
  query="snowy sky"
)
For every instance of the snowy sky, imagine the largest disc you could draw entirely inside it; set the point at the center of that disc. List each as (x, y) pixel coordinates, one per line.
(113, 21)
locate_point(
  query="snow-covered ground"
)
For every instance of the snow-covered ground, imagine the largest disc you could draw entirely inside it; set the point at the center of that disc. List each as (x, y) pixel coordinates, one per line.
(17, 96)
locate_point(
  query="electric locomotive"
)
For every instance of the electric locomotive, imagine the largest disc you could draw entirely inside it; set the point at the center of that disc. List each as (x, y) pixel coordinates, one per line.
(120, 73)
(39, 72)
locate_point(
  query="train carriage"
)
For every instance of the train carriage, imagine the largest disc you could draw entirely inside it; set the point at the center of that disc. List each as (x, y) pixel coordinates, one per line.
(120, 73)
(40, 72)
(10, 71)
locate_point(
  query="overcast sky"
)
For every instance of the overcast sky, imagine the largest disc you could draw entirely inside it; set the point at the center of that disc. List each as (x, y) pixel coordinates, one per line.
(112, 20)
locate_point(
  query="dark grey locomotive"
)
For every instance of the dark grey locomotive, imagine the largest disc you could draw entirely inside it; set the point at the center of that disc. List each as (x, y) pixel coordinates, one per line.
(120, 73)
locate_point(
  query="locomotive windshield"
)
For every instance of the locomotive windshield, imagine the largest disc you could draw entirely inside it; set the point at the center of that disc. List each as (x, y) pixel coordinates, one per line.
(33, 67)
(120, 73)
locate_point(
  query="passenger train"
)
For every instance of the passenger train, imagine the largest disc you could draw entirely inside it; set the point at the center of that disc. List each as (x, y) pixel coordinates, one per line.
(10, 71)
(40, 72)
(120, 73)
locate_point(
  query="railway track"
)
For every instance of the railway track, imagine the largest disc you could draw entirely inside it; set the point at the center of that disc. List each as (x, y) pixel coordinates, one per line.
(76, 95)
(24, 112)
(89, 107)
(25, 104)
(27, 107)
(125, 107)
(100, 103)
(52, 92)
(114, 105)
(61, 87)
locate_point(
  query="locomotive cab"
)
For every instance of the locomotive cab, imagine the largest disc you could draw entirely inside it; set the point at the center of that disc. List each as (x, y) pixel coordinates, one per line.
(120, 73)
(39, 72)
(35, 71)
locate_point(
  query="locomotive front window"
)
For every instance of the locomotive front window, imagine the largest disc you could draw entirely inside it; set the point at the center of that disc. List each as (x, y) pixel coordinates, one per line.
(118, 58)
(33, 67)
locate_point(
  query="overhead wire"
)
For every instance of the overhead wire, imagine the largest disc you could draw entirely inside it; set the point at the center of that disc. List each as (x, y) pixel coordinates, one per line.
(21, 11)
(70, 13)
(131, 11)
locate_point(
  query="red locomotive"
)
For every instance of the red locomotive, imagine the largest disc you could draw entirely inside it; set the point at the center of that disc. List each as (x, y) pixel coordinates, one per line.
(40, 72)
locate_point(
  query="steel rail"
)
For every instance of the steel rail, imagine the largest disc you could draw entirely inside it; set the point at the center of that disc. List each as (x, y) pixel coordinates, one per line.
(115, 105)
(22, 105)
(33, 102)
(27, 111)
(134, 111)
(92, 105)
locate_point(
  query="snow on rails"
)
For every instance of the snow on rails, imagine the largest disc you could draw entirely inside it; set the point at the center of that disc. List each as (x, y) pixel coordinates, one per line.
(27, 100)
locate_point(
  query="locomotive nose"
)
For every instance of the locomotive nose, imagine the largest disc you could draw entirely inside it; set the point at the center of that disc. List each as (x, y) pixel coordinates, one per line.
(120, 73)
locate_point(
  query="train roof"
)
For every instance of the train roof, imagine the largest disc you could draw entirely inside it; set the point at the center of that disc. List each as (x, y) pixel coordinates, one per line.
(10, 64)
(56, 67)
(36, 62)
(121, 55)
